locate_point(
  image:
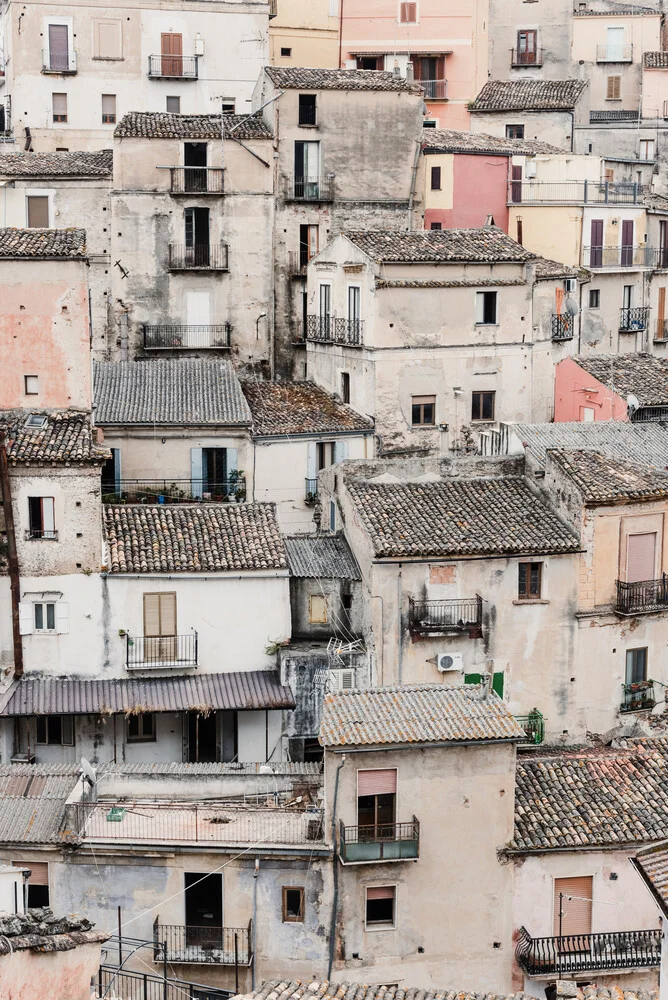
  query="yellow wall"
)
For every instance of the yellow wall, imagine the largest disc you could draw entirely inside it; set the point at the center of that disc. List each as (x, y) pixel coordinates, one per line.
(552, 231)
(445, 197)
(305, 27)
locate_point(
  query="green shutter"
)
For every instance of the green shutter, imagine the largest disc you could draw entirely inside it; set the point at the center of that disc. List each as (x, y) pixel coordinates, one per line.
(497, 681)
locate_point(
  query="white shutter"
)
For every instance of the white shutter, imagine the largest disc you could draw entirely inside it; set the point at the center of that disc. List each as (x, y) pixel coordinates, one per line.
(340, 450)
(231, 461)
(26, 618)
(48, 515)
(62, 617)
(196, 472)
(640, 557)
(116, 454)
(311, 470)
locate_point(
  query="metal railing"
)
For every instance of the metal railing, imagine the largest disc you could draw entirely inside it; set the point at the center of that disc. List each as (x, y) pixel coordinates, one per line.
(144, 986)
(173, 67)
(380, 842)
(311, 491)
(297, 261)
(41, 534)
(427, 617)
(196, 180)
(321, 189)
(658, 414)
(146, 652)
(633, 318)
(59, 62)
(308, 114)
(614, 53)
(617, 115)
(588, 952)
(576, 192)
(533, 725)
(208, 945)
(333, 330)
(638, 697)
(169, 491)
(562, 326)
(201, 257)
(642, 597)
(434, 90)
(526, 58)
(619, 257)
(188, 337)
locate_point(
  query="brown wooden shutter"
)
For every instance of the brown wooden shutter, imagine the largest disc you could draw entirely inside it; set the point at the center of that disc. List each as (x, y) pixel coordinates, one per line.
(38, 212)
(39, 871)
(168, 614)
(661, 315)
(641, 553)
(576, 905)
(380, 782)
(559, 295)
(380, 892)
(171, 48)
(151, 614)
(614, 88)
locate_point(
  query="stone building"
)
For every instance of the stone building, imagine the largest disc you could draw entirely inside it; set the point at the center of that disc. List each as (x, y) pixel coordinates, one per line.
(548, 110)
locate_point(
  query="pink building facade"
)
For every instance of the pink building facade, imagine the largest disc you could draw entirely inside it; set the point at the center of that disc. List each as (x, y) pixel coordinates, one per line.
(462, 190)
(580, 396)
(445, 43)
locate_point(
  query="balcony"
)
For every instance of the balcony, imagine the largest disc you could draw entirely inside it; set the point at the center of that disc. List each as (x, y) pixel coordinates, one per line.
(297, 263)
(332, 330)
(638, 697)
(311, 492)
(202, 945)
(196, 180)
(573, 953)
(562, 326)
(321, 189)
(170, 491)
(519, 59)
(614, 53)
(533, 725)
(41, 534)
(434, 90)
(173, 67)
(444, 617)
(190, 337)
(143, 652)
(614, 115)
(202, 257)
(642, 597)
(631, 320)
(618, 258)
(59, 63)
(386, 842)
(530, 192)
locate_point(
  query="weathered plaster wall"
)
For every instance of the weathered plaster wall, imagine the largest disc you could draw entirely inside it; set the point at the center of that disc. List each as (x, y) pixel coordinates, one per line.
(30, 975)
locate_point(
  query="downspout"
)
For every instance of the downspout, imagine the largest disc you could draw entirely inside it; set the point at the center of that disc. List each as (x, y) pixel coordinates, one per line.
(340, 31)
(12, 557)
(400, 658)
(255, 874)
(335, 896)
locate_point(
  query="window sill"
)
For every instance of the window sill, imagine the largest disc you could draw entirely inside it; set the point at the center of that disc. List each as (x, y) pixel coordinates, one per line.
(531, 600)
(370, 928)
(108, 58)
(304, 125)
(423, 427)
(487, 324)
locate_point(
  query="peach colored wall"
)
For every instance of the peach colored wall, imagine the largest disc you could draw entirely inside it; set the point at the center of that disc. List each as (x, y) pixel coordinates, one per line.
(63, 974)
(654, 92)
(571, 394)
(479, 189)
(45, 331)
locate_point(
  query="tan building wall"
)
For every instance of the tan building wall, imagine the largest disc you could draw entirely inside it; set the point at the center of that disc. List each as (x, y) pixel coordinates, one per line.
(601, 58)
(309, 29)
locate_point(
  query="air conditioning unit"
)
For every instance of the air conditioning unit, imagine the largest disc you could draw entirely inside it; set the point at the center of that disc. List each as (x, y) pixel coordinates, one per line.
(447, 662)
(343, 680)
(571, 284)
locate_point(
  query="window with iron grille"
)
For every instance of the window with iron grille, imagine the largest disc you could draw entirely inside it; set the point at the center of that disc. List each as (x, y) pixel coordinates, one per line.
(529, 581)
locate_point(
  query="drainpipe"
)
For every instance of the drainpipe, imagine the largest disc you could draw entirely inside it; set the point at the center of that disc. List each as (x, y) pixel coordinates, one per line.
(12, 557)
(400, 659)
(253, 935)
(341, 33)
(411, 198)
(335, 897)
(663, 972)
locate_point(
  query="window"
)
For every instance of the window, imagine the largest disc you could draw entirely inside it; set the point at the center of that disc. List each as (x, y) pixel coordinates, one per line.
(429, 123)
(423, 411)
(435, 226)
(529, 581)
(59, 105)
(160, 614)
(325, 454)
(141, 728)
(307, 170)
(36, 420)
(45, 617)
(641, 557)
(661, 325)
(332, 516)
(333, 8)
(325, 309)
(308, 243)
(354, 310)
(647, 149)
(307, 109)
(38, 881)
(380, 905)
(370, 62)
(594, 298)
(41, 518)
(286, 52)
(317, 610)
(58, 57)
(228, 106)
(108, 38)
(514, 131)
(609, 175)
(408, 12)
(587, 414)
(345, 387)
(614, 88)
(482, 405)
(108, 109)
(37, 211)
(520, 231)
(527, 49)
(173, 105)
(615, 44)
(485, 308)
(171, 54)
(376, 803)
(436, 178)
(31, 385)
(293, 904)
(636, 665)
(627, 296)
(55, 730)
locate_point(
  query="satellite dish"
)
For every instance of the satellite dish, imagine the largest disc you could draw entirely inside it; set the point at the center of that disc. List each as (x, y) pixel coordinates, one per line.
(632, 403)
(88, 772)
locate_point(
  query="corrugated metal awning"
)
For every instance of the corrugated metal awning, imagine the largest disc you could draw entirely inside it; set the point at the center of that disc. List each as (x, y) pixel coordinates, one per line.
(321, 556)
(243, 690)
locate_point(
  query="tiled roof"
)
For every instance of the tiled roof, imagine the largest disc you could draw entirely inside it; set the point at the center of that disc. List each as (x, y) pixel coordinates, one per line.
(321, 557)
(446, 140)
(175, 391)
(546, 269)
(414, 714)
(193, 538)
(281, 989)
(462, 517)
(241, 690)
(40, 931)
(528, 95)
(159, 125)
(656, 202)
(652, 866)
(451, 283)
(643, 441)
(642, 375)
(73, 164)
(40, 243)
(66, 438)
(604, 479)
(656, 60)
(487, 244)
(596, 799)
(283, 408)
(306, 78)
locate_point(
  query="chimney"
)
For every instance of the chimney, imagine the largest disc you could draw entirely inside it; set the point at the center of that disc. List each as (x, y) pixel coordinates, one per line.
(410, 74)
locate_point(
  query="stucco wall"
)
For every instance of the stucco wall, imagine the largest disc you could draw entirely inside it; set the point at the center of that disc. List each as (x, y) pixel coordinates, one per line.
(554, 26)
(472, 188)
(309, 30)
(29, 975)
(575, 389)
(554, 127)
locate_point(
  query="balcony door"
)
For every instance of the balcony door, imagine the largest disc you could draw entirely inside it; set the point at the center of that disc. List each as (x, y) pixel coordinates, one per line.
(526, 47)
(194, 161)
(641, 557)
(354, 310)
(59, 54)
(198, 317)
(204, 910)
(171, 52)
(615, 44)
(202, 738)
(197, 237)
(572, 910)
(307, 169)
(160, 628)
(376, 804)
(596, 251)
(627, 242)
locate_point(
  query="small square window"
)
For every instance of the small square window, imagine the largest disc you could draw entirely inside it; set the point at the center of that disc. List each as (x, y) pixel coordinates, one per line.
(36, 420)
(307, 109)
(173, 105)
(141, 728)
(31, 385)
(286, 52)
(514, 131)
(38, 211)
(436, 178)
(228, 107)
(108, 109)
(483, 405)
(408, 12)
(636, 665)
(594, 298)
(45, 617)
(614, 88)
(485, 308)
(423, 411)
(380, 906)
(55, 730)
(293, 904)
(317, 610)
(529, 581)
(435, 226)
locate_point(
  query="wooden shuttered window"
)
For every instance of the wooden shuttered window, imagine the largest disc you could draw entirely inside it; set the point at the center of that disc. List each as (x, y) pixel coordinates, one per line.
(408, 12)
(38, 881)
(661, 332)
(614, 88)
(640, 557)
(380, 892)
(377, 782)
(59, 104)
(575, 896)
(160, 614)
(38, 211)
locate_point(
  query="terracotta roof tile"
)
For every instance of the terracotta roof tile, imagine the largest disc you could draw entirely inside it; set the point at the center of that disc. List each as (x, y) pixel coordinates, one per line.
(652, 866)
(160, 125)
(306, 78)
(529, 95)
(62, 437)
(75, 164)
(450, 141)
(643, 375)
(282, 408)
(604, 479)
(51, 243)
(487, 244)
(277, 989)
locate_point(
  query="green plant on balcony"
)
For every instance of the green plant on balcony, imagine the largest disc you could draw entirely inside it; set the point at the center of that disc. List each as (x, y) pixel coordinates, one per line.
(237, 486)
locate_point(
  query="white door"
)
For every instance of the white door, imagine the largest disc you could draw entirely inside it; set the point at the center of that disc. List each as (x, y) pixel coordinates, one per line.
(198, 313)
(615, 44)
(311, 168)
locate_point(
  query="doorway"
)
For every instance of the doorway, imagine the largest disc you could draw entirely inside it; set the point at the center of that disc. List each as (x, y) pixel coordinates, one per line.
(194, 161)
(204, 910)
(214, 469)
(202, 738)
(197, 236)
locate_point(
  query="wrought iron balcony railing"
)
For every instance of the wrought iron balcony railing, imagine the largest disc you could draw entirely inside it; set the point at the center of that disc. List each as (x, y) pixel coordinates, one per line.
(319, 189)
(196, 180)
(187, 337)
(638, 697)
(633, 319)
(614, 53)
(173, 67)
(59, 62)
(547, 956)
(202, 945)
(642, 596)
(533, 725)
(144, 986)
(615, 115)
(438, 617)
(171, 491)
(333, 330)
(311, 491)
(619, 257)
(434, 90)
(526, 58)
(562, 326)
(529, 192)
(382, 842)
(145, 652)
(201, 257)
